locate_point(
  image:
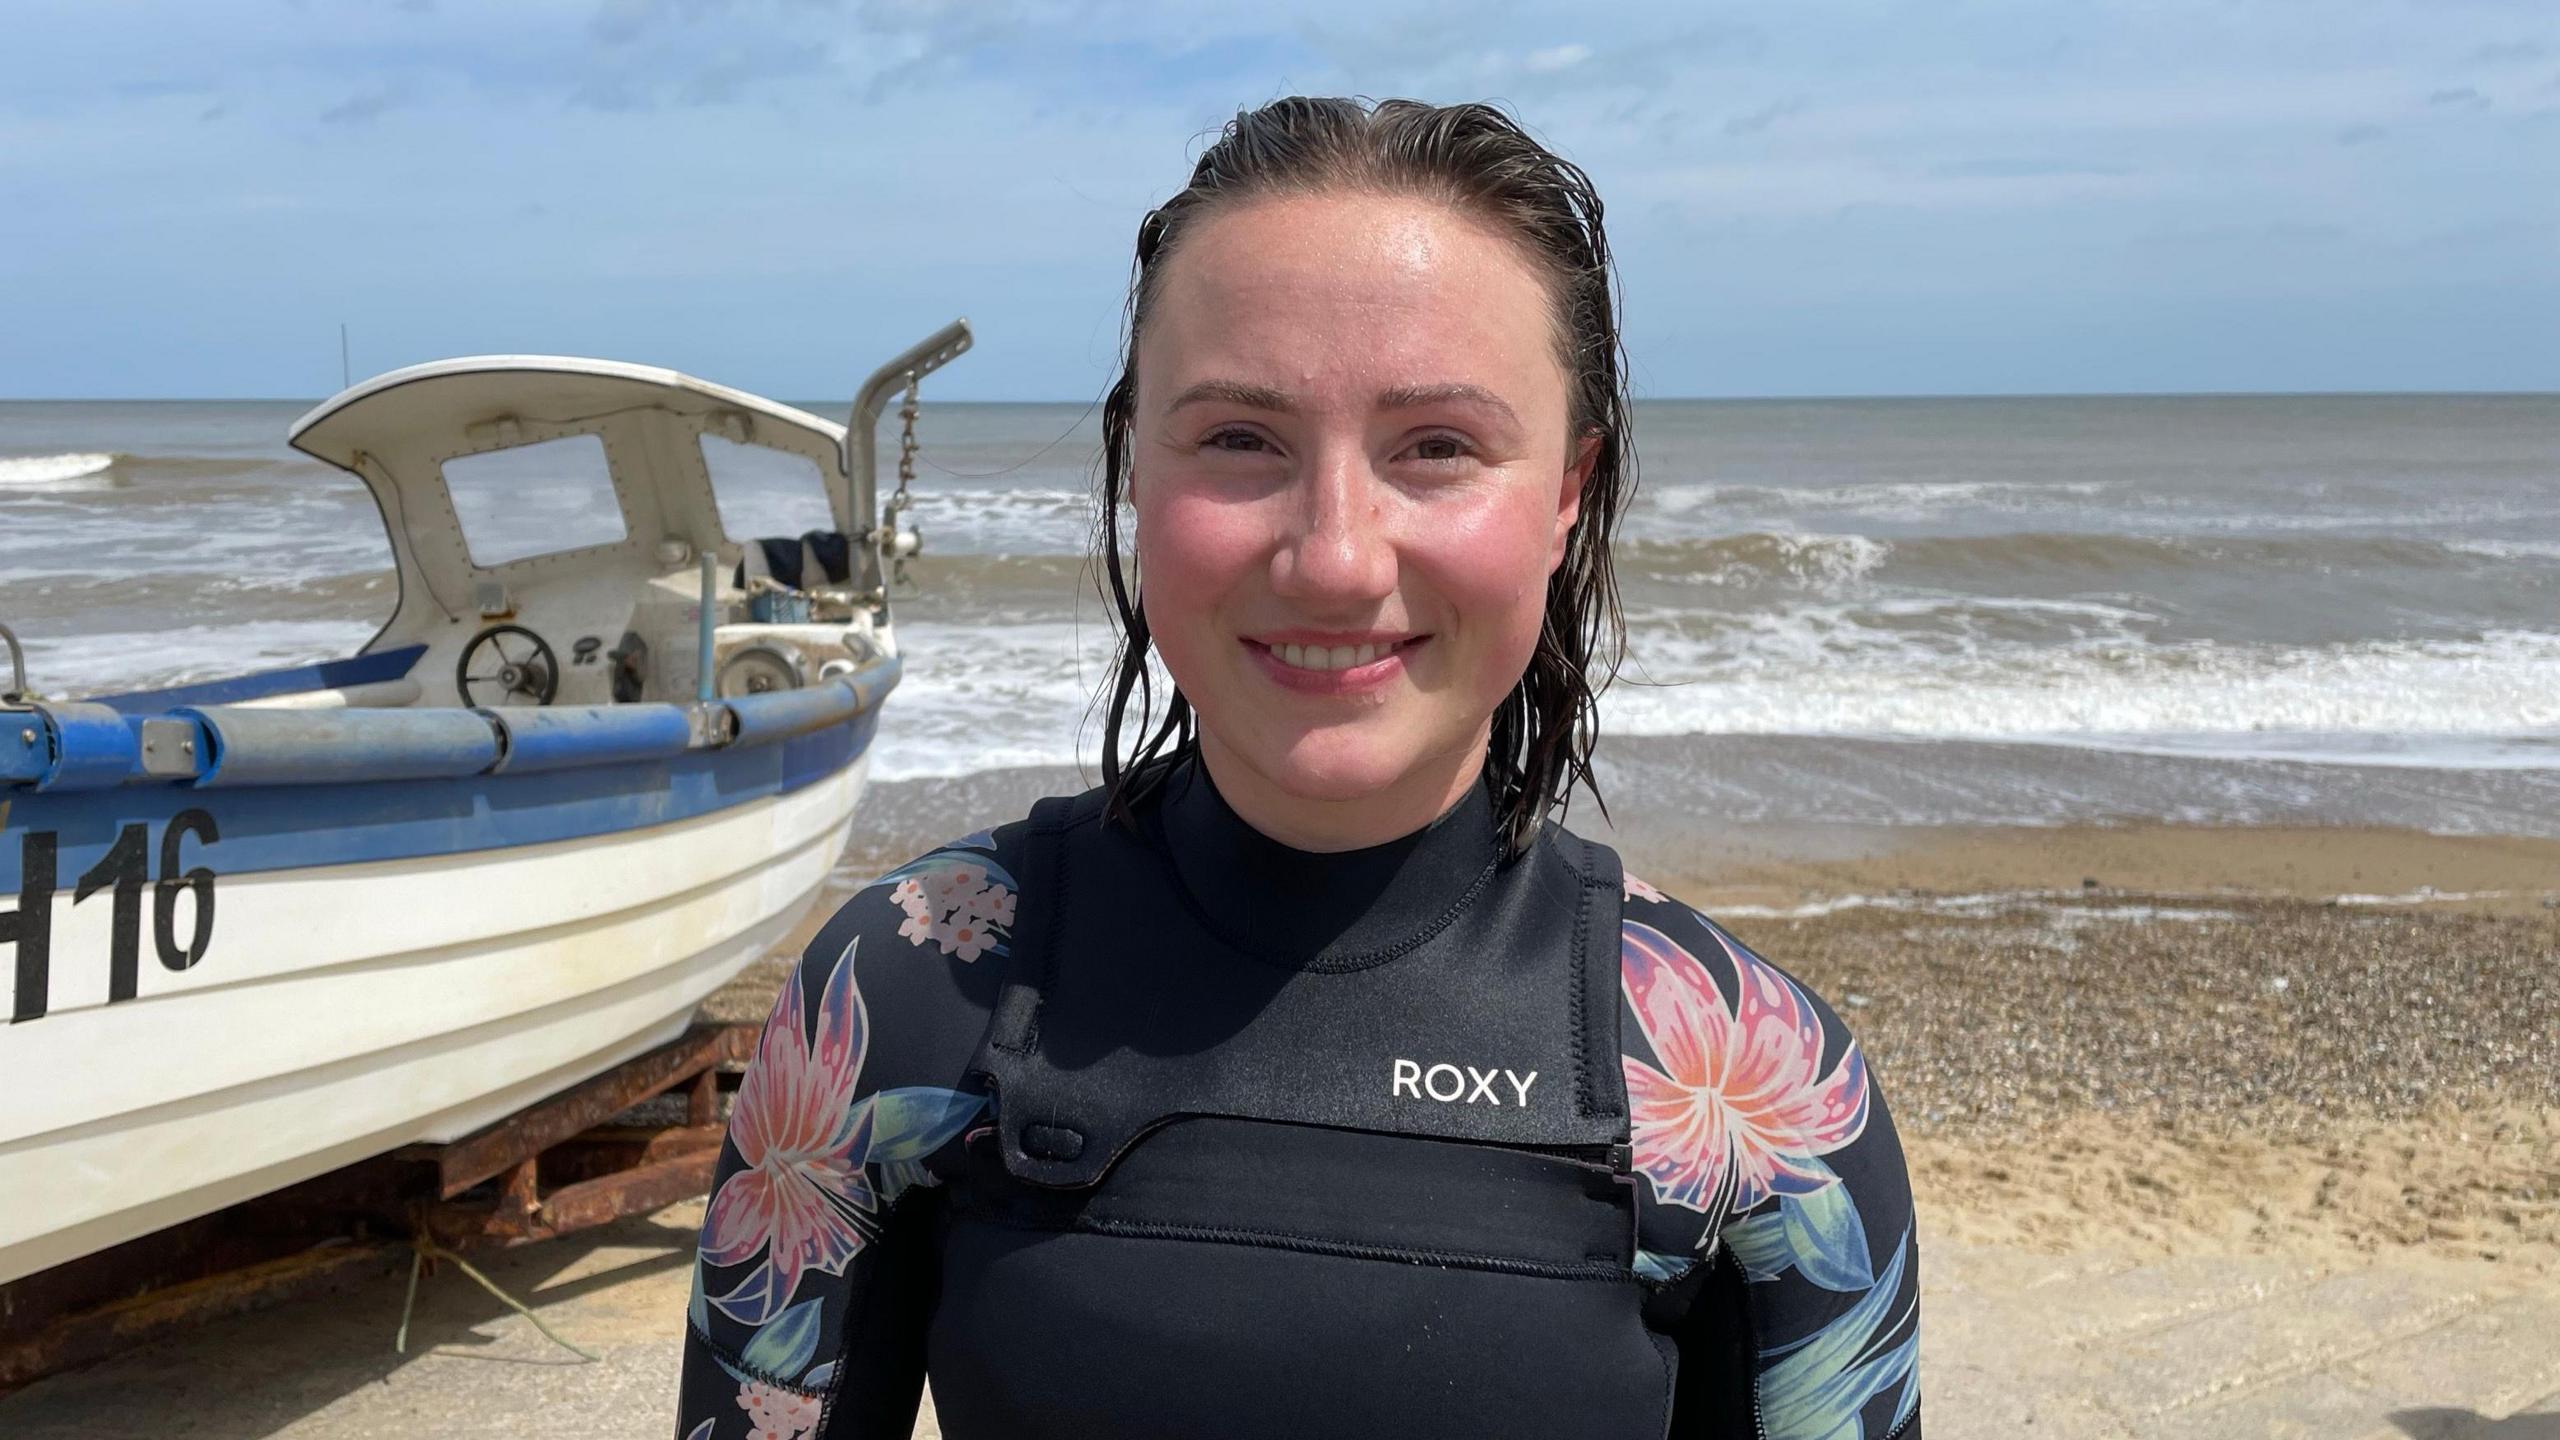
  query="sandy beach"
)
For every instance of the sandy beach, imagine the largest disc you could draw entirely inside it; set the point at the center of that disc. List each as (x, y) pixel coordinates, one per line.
(2281, 1101)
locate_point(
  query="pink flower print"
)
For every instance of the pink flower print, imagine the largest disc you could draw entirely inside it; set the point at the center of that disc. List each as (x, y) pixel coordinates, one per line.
(964, 937)
(803, 1140)
(918, 927)
(776, 1413)
(1638, 890)
(1742, 1109)
(956, 882)
(965, 908)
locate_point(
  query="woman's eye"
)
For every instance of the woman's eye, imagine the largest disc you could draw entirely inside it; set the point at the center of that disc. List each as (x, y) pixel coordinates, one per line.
(1440, 448)
(1240, 442)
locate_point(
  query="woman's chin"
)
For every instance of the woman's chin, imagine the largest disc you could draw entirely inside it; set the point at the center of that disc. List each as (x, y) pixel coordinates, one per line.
(1332, 766)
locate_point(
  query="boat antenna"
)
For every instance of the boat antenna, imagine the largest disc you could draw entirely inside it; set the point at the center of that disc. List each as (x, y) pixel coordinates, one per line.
(346, 377)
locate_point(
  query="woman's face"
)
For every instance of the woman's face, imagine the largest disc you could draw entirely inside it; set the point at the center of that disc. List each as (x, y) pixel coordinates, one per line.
(1351, 480)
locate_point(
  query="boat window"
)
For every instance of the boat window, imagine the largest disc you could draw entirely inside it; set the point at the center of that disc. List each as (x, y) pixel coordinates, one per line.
(537, 499)
(763, 491)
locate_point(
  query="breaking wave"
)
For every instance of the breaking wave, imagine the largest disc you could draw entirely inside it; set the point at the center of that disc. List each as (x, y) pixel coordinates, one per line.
(38, 472)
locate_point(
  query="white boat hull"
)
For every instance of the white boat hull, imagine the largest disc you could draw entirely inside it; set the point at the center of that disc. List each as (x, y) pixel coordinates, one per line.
(364, 1006)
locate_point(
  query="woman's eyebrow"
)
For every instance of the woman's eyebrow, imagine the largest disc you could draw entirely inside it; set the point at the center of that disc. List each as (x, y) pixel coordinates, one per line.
(1402, 397)
(1235, 392)
(1414, 397)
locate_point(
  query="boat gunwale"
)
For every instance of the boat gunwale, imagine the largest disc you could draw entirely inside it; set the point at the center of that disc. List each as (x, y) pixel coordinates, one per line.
(85, 745)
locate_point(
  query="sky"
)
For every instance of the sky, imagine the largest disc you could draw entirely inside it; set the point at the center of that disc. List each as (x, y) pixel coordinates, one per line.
(1805, 198)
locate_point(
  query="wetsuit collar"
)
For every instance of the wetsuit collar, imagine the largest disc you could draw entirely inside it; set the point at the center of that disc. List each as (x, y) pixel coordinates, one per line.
(1334, 911)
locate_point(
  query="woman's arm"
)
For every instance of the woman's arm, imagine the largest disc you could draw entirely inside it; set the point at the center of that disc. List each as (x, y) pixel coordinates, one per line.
(1779, 1203)
(814, 1276)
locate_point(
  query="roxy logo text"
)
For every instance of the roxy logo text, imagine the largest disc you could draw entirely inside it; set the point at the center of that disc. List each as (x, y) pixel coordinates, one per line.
(1459, 1084)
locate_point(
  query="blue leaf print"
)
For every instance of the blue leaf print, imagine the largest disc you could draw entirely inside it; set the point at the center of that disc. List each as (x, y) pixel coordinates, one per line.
(911, 1122)
(755, 1299)
(897, 1177)
(784, 1348)
(1759, 1245)
(940, 861)
(1665, 1268)
(1819, 1389)
(1827, 1239)
(699, 1432)
(1818, 1235)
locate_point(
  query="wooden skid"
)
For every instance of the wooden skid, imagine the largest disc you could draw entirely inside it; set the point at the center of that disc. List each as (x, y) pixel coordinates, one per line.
(356, 1222)
(482, 1156)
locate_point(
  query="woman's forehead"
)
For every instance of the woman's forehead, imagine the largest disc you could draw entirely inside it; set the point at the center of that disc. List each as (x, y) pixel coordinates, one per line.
(1313, 292)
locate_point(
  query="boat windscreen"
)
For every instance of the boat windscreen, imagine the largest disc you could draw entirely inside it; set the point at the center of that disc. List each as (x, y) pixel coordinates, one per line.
(537, 499)
(764, 491)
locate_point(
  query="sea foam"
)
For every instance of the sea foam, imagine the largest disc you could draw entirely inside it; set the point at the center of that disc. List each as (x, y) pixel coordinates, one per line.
(36, 472)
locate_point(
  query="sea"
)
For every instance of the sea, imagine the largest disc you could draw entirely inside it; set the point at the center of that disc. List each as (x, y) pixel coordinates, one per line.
(2335, 609)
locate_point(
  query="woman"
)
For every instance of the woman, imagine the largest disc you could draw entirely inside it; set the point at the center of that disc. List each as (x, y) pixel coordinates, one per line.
(1303, 1079)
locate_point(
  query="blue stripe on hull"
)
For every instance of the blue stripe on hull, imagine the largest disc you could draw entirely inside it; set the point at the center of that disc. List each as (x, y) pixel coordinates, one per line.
(292, 827)
(231, 690)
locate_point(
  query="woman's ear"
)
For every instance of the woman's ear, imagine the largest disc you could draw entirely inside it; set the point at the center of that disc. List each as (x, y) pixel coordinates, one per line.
(1569, 496)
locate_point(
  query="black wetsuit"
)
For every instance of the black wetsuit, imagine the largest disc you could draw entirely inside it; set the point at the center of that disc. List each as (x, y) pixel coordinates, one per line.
(1185, 1133)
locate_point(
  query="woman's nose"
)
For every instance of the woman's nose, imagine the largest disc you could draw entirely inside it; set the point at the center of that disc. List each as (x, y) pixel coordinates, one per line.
(1338, 546)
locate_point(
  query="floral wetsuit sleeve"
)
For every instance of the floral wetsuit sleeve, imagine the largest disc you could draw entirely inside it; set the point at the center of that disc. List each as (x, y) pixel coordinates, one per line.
(814, 1276)
(1778, 1200)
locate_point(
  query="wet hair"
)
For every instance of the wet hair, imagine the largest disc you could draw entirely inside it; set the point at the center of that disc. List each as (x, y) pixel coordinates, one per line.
(1476, 160)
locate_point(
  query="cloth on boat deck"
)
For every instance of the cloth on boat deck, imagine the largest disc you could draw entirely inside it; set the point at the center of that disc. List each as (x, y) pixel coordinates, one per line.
(1173, 1131)
(788, 560)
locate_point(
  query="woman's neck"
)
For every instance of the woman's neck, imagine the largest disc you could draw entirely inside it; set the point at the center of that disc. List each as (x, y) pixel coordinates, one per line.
(1412, 801)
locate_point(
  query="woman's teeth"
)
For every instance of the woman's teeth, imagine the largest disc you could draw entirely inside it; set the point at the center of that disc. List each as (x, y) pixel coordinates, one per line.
(1319, 657)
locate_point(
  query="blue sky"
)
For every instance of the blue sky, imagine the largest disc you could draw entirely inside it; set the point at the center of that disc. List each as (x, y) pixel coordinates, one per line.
(1853, 198)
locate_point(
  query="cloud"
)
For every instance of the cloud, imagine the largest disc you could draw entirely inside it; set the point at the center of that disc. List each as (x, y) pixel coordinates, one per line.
(2280, 232)
(618, 22)
(2512, 52)
(2027, 167)
(2523, 235)
(2361, 134)
(1561, 57)
(2459, 97)
(1754, 122)
(360, 108)
(725, 78)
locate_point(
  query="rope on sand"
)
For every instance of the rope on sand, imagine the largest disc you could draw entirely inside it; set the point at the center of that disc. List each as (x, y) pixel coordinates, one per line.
(423, 1248)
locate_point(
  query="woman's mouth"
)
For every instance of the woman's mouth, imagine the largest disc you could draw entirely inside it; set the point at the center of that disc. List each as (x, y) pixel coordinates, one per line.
(1329, 669)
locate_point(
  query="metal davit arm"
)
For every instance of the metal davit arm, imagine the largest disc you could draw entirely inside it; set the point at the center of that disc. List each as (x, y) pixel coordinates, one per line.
(861, 441)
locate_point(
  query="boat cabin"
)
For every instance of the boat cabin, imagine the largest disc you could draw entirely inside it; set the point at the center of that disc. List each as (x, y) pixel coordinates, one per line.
(548, 517)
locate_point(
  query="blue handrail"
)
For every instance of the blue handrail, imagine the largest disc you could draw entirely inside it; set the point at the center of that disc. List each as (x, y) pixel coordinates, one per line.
(83, 746)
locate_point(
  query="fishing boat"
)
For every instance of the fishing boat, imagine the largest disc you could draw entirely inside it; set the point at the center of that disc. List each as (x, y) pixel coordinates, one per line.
(601, 756)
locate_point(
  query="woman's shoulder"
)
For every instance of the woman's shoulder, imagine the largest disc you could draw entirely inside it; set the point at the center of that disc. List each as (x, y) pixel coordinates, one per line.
(918, 953)
(1707, 1018)
(1755, 1119)
(1664, 937)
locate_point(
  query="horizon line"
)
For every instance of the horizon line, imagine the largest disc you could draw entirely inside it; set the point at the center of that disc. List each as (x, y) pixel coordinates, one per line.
(1727, 399)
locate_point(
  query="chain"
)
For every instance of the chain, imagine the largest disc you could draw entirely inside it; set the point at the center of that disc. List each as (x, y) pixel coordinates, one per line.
(893, 540)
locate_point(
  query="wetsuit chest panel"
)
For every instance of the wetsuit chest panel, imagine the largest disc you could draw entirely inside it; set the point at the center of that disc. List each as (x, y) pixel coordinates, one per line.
(1293, 1281)
(1127, 1007)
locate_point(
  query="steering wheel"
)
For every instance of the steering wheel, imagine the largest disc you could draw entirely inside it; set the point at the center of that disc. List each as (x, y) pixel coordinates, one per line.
(510, 665)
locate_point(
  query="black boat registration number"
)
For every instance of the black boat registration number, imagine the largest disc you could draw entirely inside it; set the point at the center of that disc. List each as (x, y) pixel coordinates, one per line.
(123, 872)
